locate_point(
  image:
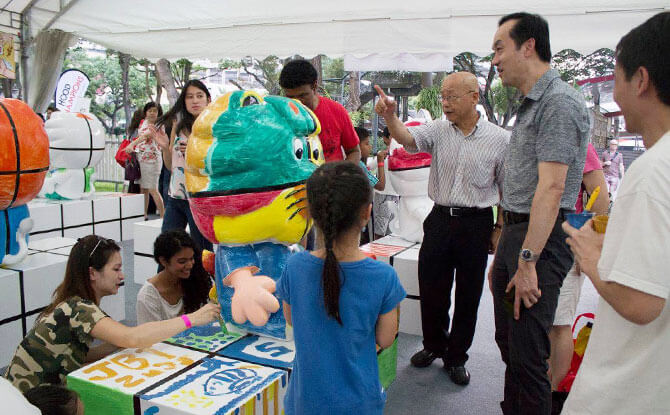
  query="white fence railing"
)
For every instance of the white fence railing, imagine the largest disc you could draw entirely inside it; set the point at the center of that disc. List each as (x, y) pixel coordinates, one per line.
(108, 170)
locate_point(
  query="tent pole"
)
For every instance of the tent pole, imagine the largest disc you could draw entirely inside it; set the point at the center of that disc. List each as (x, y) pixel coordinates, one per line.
(25, 34)
(62, 11)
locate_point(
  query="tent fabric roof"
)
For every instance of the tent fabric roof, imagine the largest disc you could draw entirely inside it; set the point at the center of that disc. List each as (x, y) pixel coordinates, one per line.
(218, 29)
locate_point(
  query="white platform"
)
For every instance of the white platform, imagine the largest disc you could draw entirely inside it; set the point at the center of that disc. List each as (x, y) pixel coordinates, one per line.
(26, 288)
(106, 214)
(143, 258)
(403, 256)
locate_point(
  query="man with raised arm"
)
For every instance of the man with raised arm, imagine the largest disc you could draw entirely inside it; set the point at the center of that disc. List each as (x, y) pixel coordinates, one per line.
(465, 178)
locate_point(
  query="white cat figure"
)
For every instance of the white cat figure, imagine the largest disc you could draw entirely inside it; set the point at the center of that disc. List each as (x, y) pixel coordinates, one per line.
(76, 145)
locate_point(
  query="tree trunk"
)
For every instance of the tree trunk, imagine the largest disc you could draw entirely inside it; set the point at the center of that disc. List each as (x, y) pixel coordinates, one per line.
(484, 97)
(146, 81)
(124, 61)
(159, 88)
(439, 77)
(426, 79)
(316, 61)
(354, 101)
(166, 80)
(7, 87)
(186, 73)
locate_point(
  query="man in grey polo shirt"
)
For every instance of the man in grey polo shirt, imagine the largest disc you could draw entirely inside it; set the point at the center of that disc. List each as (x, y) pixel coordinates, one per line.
(543, 172)
(465, 176)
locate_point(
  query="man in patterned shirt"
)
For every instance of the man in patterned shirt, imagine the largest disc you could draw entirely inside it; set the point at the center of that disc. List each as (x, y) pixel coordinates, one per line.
(543, 174)
(464, 182)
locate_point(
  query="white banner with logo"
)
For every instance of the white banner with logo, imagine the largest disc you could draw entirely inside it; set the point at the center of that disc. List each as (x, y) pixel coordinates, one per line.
(72, 86)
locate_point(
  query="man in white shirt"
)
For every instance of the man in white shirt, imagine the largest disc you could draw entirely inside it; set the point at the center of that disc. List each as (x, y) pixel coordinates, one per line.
(625, 369)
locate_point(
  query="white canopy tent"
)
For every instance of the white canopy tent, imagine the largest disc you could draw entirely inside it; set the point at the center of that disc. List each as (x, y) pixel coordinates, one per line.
(234, 29)
(371, 34)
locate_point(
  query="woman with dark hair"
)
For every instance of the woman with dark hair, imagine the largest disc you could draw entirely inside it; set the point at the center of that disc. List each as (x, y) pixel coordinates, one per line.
(60, 340)
(183, 284)
(55, 400)
(192, 101)
(344, 302)
(131, 134)
(148, 146)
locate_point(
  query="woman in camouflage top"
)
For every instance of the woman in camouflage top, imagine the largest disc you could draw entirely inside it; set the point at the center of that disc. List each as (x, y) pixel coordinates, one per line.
(59, 342)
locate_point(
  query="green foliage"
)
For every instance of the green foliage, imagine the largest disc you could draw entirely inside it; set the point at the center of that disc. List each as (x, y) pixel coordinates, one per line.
(106, 87)
(264, 71)
(333, 70)
(505, 101)
(574, 66)
(333, 67)
(359, 117)
(428, 98)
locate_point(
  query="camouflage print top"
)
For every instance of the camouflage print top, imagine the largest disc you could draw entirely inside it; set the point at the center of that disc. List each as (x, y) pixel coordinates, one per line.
(56, 345)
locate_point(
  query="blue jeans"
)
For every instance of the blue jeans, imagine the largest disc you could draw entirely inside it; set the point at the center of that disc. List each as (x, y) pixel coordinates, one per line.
(177, 215)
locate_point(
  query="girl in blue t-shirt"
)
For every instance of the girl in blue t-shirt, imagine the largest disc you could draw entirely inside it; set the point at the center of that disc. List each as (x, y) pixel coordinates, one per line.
(339, 302)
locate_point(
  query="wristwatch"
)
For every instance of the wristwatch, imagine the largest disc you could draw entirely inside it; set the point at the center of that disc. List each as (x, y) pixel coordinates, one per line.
(528, 256)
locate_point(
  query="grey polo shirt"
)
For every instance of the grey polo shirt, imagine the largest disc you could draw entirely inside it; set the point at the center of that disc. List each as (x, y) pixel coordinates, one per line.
(552, 125)
(465, 171)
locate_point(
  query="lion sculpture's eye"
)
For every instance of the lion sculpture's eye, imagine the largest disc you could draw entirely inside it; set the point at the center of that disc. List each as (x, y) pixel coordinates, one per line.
(298, 148)
(250, 100)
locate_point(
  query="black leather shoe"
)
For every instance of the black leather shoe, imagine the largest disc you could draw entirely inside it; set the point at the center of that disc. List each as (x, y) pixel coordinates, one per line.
(459, 375)
(424, 358)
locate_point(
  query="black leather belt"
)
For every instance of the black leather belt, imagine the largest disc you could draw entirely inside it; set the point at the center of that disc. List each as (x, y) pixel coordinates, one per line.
(511, 218)
(463, 211)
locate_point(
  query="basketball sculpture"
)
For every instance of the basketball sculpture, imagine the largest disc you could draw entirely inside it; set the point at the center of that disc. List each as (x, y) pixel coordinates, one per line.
(24, 162)
(76, 145)
(247, 161)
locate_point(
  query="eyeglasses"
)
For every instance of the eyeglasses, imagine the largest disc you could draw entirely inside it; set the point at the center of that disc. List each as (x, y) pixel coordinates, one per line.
(450, 98)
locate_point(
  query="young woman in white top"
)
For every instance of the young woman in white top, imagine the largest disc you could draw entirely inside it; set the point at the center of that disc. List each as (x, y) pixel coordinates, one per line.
(182, 286)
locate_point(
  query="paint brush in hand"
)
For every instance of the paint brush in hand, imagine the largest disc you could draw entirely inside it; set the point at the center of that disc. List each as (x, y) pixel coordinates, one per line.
(213, 298)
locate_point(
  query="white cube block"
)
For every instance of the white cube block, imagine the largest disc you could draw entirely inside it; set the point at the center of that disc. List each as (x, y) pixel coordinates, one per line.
(46, 215)
(145, 233)
(410, 317)
(115, 305)
(42, 273)
(65, 251)
(45, 235)
(111, 230)
(49, 244)
(10, 294)
(132, 205)
(77, 212)
(382, 252)
(11, 334)
(78, 232)
(144, 268)
(127, 226)
(395, 241)
(406, 264)
(106, 208)
(30, 321)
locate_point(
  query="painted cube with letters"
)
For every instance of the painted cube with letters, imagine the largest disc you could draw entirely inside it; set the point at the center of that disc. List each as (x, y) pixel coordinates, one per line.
(109, 386)
(219, 386)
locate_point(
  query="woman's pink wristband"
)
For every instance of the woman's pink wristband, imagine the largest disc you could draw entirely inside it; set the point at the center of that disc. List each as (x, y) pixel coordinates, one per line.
(186, 321)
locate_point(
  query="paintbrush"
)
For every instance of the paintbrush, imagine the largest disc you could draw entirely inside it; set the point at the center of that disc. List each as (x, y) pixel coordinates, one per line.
(213, 298)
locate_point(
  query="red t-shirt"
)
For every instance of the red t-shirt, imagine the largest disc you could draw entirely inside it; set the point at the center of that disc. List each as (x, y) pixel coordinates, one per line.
(592, 163)
(337, 131)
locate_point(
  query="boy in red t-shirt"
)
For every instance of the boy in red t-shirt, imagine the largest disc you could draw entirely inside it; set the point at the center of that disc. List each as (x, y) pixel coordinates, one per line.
(298, 80)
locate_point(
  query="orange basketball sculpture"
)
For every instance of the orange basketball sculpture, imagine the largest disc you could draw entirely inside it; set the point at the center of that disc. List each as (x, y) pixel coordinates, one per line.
(24, 153)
